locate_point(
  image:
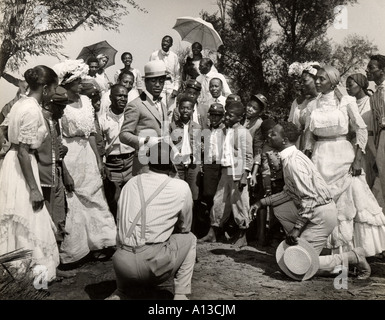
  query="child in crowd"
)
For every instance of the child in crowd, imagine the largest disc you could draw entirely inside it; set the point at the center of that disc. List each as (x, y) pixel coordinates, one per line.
(232, 194)
(186, 136)
(272, 183)
(213, 139)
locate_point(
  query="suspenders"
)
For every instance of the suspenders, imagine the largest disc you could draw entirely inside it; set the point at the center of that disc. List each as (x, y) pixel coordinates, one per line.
(142, 212)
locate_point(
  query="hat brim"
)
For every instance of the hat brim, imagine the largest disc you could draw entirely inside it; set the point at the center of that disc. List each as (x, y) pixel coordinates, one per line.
(155, 75)
(314, 260)
(264, 103)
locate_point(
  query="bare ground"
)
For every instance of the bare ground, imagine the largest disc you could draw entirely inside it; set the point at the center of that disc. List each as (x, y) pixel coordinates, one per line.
(224, 272)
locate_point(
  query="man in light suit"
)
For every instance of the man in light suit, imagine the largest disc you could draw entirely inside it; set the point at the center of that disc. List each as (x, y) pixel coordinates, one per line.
(145, 118)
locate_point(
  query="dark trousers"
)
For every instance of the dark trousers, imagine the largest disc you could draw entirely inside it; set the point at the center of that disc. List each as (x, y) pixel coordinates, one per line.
(120, 168)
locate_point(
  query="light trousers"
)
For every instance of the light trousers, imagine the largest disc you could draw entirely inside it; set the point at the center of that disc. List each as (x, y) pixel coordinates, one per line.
(229, 199)
(316, 231)
(151, 265)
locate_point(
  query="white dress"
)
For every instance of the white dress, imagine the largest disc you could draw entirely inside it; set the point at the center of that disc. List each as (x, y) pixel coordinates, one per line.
(361, 221)
(20, 226)
(89, 221)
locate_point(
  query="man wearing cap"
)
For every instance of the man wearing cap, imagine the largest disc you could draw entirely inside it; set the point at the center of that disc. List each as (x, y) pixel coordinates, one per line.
(236, 163)
(145, 118)
(173, 73)
(306, 210)
(254, 110)
(118, 156)
(213, 139)
(205, 68)
(154, 240)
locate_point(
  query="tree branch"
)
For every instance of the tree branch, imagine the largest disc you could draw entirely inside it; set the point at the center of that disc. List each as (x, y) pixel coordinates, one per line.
(61, 30)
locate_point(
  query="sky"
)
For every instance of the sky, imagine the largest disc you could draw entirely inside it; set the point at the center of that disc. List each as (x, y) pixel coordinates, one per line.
(141, 33)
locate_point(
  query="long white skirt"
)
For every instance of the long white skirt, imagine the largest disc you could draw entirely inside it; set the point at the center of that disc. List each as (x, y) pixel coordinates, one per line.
(89, 222)
(20, 226)
(361, 222)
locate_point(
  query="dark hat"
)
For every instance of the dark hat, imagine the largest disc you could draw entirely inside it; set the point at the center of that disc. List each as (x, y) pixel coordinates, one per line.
(216, 108)
(260, 98)
(192, 83)
(233, 97)
(267, 125)
(90, 88)
(236, 107)
(60, 97)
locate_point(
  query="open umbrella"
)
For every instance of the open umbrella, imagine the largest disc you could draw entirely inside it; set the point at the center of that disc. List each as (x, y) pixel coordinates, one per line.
(95, 49)
(198, 30)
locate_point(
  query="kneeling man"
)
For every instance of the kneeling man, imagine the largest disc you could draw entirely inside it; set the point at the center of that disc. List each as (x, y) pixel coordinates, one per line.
(154, 242)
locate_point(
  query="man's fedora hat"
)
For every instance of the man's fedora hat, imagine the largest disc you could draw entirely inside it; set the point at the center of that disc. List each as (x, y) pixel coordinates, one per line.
(299, 262)
(155, 68)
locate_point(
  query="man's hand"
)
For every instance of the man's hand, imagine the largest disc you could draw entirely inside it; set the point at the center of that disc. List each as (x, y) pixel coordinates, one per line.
(254, 209)
(153, 141)
(62, 151)
(291, 238)
(174, 94)
(68, 182)
(37, 200)
(243, 182)
(355, 168)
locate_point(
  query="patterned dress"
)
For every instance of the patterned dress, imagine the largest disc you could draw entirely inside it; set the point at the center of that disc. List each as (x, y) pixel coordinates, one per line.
(89, 222)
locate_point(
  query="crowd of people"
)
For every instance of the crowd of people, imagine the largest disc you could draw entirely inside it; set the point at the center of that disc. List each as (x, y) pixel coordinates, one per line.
(145, 168)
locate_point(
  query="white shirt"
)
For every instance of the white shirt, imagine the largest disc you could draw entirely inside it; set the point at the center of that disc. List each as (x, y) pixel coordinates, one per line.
(204, 79)
(171, 61)
(227, 155)
(216, 142)
(186, 148)
(171, 209)
(110, 125)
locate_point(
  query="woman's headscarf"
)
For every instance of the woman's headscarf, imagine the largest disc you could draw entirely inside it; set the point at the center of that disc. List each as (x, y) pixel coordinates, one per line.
(360, 79)
(333, 74)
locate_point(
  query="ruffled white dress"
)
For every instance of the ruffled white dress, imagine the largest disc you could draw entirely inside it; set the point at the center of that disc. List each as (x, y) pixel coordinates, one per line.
(20, 226)
(89, 221)
(361, 220)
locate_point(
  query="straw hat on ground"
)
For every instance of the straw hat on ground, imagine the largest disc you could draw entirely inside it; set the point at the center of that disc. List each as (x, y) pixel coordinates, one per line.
(299, 262)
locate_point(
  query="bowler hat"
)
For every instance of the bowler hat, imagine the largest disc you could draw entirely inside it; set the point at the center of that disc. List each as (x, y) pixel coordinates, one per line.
(216, 108)
(60, 97)
(155, 68)
(299, 262)
(236, 107)
(89, 88)
(260, 98)
(191, 83)
(233, 97)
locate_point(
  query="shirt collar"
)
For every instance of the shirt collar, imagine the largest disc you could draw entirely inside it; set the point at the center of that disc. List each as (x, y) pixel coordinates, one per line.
(151, 98)
(164, 52)
(286, 153)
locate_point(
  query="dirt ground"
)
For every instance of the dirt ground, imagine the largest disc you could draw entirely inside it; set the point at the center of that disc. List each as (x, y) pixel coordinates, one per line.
(224, 272)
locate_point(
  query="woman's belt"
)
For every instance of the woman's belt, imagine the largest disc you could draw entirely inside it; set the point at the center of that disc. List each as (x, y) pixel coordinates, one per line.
(15, 147)
(331, 138)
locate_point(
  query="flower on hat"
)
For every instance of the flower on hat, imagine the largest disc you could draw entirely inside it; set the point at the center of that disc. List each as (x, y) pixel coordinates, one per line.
(308, 66)
(295, 69)
(69, 70)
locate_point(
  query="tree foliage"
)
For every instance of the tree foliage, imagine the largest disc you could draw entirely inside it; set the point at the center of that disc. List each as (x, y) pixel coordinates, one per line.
(351, 56)
(38, 27)
(262, 38)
